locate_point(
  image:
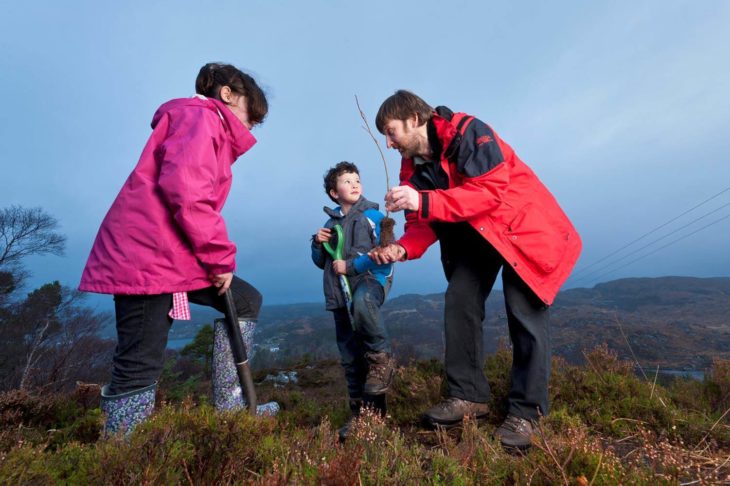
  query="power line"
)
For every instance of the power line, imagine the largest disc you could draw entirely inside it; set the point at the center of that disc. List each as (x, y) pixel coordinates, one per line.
(664, 246)
(581, 270)
(610, 264)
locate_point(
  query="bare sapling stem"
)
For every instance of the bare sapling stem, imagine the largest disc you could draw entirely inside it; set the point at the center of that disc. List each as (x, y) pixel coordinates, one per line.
(387, 225)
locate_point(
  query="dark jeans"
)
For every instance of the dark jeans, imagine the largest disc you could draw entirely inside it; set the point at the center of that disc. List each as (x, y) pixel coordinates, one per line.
(143, 324)
(471, 266)
(369, 334)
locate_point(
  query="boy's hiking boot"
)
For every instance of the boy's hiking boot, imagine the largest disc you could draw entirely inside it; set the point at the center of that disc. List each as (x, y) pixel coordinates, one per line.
(344, 432)
(515, 433)
(376, 403)
(452, 411)
(381, 370)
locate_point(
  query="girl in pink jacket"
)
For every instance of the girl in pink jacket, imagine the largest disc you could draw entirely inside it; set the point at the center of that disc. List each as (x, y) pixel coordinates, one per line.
(164, 242)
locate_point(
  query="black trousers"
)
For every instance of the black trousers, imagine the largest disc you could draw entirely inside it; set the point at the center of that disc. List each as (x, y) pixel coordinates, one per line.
(471, 266)
(143, 325)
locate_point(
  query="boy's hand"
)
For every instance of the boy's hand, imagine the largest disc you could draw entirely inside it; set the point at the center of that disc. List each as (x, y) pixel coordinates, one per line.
(222, 281)
(340, 267)
(402, 197)
(391, 253)
(323, 235)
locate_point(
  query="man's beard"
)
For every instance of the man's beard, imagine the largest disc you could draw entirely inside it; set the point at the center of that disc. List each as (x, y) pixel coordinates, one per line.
(407, 153)
(410, 149)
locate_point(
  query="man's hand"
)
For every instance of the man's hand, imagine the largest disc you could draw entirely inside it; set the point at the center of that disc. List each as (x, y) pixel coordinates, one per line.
(402, 197)
(323, 235)
(391, 253)
(222, 281)
(340, 267)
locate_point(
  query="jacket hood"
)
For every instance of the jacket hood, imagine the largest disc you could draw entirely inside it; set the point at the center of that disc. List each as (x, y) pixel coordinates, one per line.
(360, 206)
(240, 136)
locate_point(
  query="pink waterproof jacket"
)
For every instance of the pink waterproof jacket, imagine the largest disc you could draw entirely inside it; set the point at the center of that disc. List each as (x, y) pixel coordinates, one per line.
(164, 232)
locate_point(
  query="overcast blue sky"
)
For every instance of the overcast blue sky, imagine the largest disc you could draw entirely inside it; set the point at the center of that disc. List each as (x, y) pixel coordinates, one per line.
(621, 108)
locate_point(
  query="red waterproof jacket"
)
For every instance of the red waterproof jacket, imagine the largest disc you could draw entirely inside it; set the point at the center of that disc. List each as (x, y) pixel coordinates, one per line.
(498, 195)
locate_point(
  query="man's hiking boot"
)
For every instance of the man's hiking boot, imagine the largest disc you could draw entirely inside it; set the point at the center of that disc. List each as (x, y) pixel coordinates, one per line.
(452, 411)
(381, 370)
(515, 433)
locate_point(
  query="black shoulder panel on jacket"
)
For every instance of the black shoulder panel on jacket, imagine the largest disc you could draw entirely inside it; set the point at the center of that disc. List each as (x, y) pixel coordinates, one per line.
(444, 112)
(478, 151)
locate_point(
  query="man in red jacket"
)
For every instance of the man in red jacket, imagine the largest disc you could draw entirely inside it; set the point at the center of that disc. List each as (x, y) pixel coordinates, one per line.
(463, 186)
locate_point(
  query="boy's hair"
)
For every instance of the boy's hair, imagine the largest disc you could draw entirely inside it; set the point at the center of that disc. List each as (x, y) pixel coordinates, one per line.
(330, 178)
(401, 106)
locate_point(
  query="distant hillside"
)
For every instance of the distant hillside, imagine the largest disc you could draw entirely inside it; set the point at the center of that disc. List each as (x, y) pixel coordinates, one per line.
(669, 321)
(672, 322)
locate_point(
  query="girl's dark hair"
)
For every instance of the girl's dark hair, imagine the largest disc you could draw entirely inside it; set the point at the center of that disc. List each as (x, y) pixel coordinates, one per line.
(213, 76)
(401, 106)
(330, 178)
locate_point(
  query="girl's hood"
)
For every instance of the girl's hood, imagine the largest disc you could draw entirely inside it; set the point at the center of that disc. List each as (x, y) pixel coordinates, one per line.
(241, 137)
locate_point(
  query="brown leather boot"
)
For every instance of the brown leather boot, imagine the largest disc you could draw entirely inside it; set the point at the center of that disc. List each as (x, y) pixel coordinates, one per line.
(515, 433)
(452, 411)
(376, 403)
(355, 406)
(381, 370)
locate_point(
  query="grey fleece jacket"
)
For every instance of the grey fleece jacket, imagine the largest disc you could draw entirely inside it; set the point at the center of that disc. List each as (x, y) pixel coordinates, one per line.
(361, 230)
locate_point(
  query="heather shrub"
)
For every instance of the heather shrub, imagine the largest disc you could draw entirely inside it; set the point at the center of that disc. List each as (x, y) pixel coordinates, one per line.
(46, 419)
(718, 385)
(497, 368)
(299, 410)
(608, 396)
(414, 389)
(177, 445)
(573, 456)
(386, 455)
(606, 427)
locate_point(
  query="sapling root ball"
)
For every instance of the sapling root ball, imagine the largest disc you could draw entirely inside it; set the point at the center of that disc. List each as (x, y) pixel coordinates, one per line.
(387, 234)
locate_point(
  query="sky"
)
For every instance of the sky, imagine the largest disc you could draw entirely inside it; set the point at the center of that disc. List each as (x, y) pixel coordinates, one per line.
(621, 108)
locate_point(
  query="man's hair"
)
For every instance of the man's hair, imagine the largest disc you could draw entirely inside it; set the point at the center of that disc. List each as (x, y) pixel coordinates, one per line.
(330, 178)
(401, 106)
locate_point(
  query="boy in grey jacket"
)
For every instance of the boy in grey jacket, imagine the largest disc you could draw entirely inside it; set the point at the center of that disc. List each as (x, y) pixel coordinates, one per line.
(361, 336)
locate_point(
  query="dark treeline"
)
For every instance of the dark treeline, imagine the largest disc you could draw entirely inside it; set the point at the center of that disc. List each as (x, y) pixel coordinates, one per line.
(48, 337)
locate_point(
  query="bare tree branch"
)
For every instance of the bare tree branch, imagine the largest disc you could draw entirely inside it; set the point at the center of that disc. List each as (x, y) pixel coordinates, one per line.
(28, 231)
(34, 355)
